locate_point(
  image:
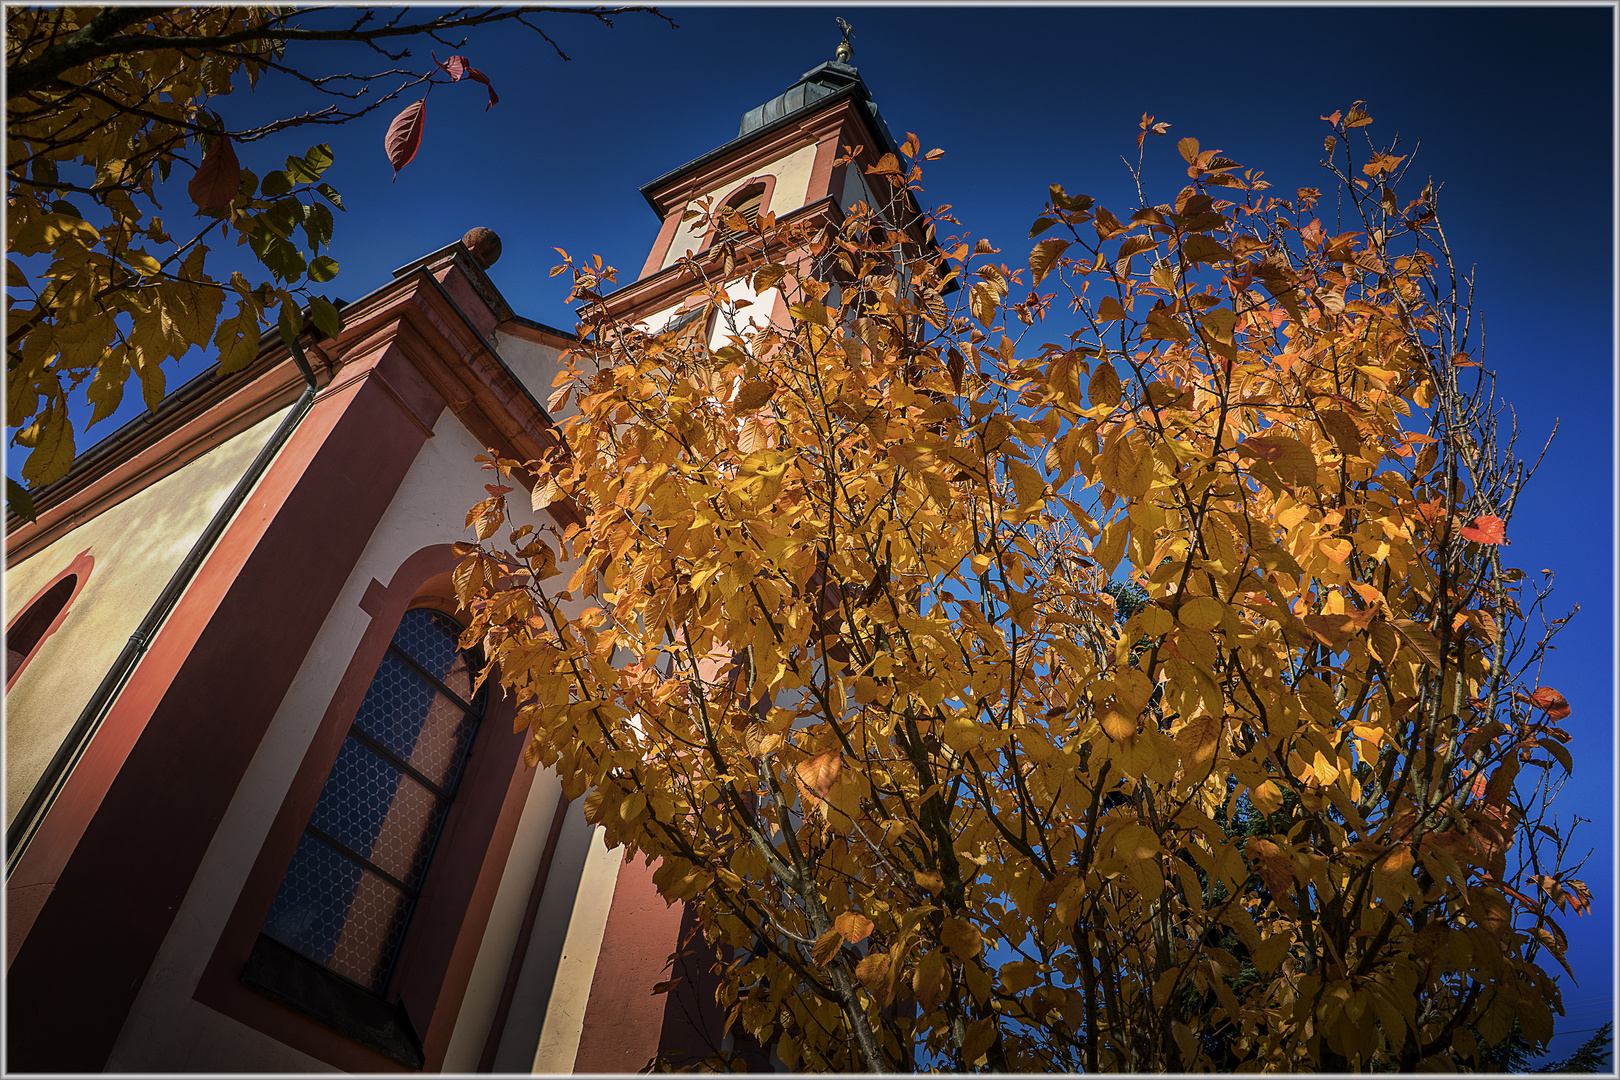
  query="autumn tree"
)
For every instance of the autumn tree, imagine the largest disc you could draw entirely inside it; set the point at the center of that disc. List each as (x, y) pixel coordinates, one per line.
(1156, 698)
(102, 104)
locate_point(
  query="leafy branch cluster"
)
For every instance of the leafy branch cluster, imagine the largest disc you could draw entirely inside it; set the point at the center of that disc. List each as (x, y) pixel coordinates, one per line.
(1157, 698)
(101, 104)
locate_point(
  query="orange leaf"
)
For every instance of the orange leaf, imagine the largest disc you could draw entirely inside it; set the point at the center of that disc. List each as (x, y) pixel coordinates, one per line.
(961, 937)
(753, 395)
(852, 926)
(1485, 530)
(932, 981)
(873, 970)
(826, 947)
(819, 773)
(1550, 702)
(218, 178)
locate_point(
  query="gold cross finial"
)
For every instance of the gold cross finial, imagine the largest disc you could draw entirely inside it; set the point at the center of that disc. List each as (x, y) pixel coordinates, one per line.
(845, 49)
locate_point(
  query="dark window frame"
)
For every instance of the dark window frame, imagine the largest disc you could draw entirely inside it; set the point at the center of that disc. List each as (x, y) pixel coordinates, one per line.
(374, 1018)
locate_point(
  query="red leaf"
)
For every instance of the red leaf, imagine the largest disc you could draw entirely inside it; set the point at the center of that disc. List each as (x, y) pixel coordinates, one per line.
(405, 136)
(1550, 702)
(1485, 530)
(218, 178)
(474, 73)
(455, 67)
(458, 67)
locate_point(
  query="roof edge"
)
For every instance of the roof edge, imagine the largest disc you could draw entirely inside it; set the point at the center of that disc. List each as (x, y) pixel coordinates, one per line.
(855, 92)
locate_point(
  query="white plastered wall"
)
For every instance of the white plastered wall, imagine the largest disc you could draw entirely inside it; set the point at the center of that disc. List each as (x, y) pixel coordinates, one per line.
(136, 545)
(166, 1030)
(535, 365)
(747, 306)
(792, 173)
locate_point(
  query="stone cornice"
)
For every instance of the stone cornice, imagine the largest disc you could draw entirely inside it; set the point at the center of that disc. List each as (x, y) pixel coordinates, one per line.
(415, 311)
(674, 282)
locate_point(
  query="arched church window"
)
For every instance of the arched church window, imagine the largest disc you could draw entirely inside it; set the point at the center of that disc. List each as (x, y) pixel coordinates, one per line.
(31, 626)
(347, 897)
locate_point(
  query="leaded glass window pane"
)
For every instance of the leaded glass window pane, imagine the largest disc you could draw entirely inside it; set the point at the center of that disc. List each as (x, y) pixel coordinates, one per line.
(348, 894)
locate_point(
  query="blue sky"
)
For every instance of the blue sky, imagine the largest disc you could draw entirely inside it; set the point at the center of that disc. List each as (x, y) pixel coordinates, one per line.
(1513, 107)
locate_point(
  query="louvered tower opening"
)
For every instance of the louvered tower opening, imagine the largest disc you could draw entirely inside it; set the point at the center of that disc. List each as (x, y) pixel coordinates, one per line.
(748, 210)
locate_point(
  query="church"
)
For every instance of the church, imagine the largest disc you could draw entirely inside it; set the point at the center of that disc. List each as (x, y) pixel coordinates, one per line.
(257, 818)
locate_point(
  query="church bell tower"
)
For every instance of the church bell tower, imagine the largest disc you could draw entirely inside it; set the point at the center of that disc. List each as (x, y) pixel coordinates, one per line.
(791, 159)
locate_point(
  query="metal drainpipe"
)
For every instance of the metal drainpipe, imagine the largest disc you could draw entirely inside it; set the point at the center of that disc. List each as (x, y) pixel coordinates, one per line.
(33, 810)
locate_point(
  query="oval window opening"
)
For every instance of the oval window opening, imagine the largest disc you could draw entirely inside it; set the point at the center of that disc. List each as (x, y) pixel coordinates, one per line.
(31, 625)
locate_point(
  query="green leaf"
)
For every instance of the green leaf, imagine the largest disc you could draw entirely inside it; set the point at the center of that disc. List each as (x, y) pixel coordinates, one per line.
(308, 169)
(284, 216)
(329, 193)
(19, 501)
(289, 321)
(276, 183)
(323, 268)
(327, 319)
(318, 226)
(62, 206)
(283, 259)
(44, 170)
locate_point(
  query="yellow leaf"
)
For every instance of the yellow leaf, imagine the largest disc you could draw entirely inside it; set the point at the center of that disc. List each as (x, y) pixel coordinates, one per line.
(1018, 976)
(1187, 1043)
(1105, 388)
(982, 299)
(1152, 620)
(1109, 309)
(980, 1037)
(1134, 843)
(1164, 985)
(1267, 797)
(237, 340)
(1028, 485)
(1289, 457)
(141, 261)
(1117, 724)
(51, 436)
(1045, 256)
(1197, 742)
(816, 776)
(1271, 952)
(1111, 544)
(1123, 467)
(1201, 613)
